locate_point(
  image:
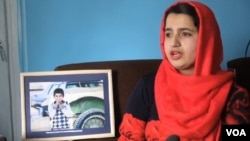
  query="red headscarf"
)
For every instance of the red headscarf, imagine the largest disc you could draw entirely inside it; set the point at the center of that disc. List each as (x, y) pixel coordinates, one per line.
(191, 106)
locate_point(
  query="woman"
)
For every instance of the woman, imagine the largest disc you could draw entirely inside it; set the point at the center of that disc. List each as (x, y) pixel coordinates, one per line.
(190, 96)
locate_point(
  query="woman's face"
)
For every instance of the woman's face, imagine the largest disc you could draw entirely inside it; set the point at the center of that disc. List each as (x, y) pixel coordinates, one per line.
(180, 42)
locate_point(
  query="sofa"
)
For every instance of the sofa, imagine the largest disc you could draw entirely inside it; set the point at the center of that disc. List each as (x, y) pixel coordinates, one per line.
(2, 138)
(125, 74)
(241, 67)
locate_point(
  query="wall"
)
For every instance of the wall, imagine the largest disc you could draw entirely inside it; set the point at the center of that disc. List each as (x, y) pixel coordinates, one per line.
(57, 32)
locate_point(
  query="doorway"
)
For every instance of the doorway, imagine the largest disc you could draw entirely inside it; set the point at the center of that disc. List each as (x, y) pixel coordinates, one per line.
(10, 119)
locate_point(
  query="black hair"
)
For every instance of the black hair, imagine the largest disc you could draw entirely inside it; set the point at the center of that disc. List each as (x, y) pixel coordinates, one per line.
(184, 8)
(58, 90)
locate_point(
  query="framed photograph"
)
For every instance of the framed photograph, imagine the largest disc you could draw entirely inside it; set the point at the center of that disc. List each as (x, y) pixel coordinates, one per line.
(67, 105)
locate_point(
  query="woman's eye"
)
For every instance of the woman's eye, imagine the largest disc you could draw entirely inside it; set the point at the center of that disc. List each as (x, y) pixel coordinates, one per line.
(186, 34)
(168, 35)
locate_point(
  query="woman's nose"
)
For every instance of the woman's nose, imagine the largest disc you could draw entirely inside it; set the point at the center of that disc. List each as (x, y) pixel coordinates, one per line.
(174, 41)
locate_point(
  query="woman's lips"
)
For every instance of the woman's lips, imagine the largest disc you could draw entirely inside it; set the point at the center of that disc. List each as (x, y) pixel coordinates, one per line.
(175, 55)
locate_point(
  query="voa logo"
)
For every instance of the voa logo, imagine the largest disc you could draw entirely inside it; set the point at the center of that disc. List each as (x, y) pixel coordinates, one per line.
(236, 132)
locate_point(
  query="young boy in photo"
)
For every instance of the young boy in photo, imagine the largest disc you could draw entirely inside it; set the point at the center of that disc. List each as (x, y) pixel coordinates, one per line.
(59, 111)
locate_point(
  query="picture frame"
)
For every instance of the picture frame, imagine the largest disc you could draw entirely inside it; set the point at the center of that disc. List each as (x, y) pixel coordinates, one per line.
(88, 94)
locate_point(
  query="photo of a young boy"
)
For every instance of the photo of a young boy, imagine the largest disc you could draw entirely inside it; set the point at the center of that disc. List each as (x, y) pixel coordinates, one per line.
(60, 111)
